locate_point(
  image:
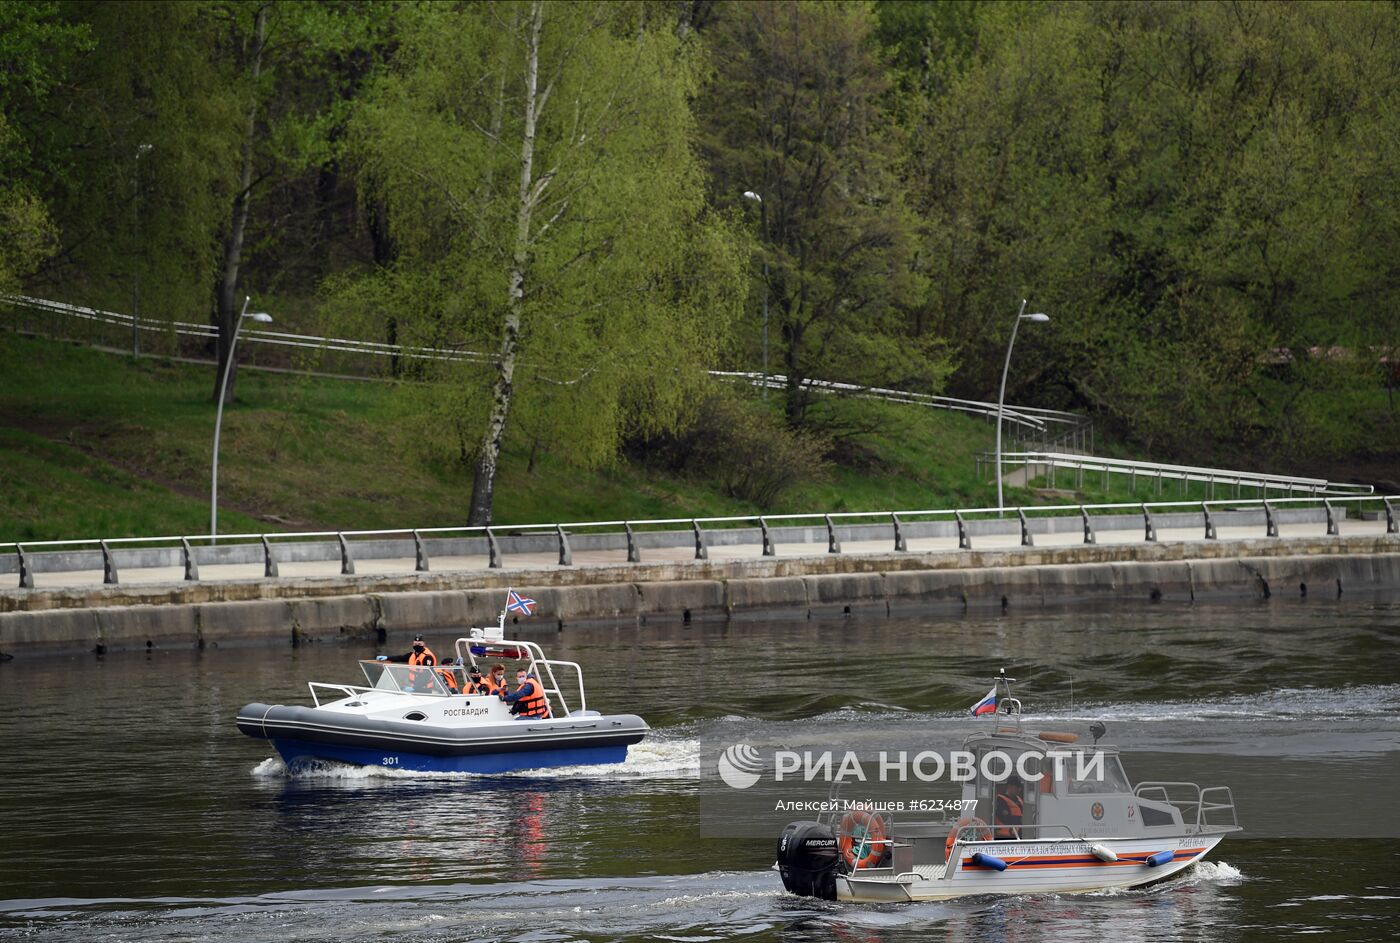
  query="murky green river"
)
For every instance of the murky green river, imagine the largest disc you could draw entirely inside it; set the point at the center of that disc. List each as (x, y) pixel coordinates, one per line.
(131, 809)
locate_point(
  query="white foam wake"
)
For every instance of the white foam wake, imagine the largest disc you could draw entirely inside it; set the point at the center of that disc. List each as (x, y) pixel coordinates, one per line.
(1209, 872)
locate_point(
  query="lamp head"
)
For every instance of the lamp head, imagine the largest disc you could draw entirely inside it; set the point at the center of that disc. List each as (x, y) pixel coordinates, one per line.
(260, 316)
(1037, 317)
(750, 195)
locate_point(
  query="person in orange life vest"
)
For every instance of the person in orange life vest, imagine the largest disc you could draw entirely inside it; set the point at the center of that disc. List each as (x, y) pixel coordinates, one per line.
(495, 681)
(527, 700)
(421, 654)
(476, 684)
(1009, 809)
(449, 677)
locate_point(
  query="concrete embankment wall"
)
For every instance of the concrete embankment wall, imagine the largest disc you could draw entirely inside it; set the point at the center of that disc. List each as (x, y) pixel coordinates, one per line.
(306, 610)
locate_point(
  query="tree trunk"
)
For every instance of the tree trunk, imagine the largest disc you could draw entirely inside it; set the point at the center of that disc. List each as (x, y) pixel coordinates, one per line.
(227, 309)
(382, 243)
(484, 483)
(795, 408)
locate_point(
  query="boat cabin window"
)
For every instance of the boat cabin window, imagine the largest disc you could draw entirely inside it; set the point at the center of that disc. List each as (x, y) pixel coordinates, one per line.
(1113, 780)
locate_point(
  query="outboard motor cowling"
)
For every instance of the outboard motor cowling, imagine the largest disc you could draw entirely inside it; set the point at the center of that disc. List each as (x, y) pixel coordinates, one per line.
(808, 859)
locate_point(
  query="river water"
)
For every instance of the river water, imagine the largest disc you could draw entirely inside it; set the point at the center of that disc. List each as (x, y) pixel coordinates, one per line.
(131, 809)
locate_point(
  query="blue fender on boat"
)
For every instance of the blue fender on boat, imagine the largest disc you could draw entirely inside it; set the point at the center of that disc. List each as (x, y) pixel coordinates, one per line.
(989, 861)
(1160, 858)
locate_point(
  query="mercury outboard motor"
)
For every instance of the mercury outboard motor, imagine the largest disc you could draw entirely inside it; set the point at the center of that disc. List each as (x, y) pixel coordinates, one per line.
(808, 859)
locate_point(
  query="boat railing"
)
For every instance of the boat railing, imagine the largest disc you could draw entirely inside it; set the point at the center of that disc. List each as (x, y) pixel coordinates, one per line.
(1190, 799)
(1008, 715)
(344, 690)
(549, 664)
(886, 843)
(542, 667)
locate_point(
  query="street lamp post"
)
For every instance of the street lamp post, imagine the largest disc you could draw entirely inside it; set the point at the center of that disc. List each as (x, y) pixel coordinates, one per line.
(763, 212)
(141, 150)
(264, 318)
(1001, 397)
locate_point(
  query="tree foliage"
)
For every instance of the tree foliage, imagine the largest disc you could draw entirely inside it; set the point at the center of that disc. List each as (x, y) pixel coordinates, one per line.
(795, 113)
(1201, 195)
(547, 210)
(149, 76)
(36, 50)
(1197, 192)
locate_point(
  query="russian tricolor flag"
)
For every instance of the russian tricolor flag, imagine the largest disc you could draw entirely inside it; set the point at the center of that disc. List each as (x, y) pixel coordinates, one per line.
(987, 705)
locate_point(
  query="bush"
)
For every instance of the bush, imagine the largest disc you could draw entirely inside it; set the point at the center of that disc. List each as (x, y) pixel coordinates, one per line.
(740, 446)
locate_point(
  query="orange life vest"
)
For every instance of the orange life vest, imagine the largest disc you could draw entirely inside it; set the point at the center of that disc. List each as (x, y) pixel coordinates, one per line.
(1009, 815)
(533, 704)
(426, 658)
(448, 679)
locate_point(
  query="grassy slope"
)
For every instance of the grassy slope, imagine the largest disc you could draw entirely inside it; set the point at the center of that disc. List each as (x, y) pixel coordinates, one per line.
(92, 444)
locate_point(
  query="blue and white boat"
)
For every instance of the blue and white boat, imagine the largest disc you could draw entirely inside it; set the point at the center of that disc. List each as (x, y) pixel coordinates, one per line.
(405, 717)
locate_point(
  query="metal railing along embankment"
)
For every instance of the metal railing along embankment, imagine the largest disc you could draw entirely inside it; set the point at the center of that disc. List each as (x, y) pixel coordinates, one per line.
(372, 359)
(1160, 476)
(70, 563)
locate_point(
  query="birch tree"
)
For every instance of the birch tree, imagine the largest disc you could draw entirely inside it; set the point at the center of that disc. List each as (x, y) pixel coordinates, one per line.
(548, 214)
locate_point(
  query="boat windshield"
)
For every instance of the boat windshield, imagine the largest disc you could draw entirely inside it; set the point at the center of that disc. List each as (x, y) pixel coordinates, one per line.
(410, 679)
(1111, 780)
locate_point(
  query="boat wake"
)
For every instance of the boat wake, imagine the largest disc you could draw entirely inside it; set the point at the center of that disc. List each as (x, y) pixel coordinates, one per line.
(1202, 873)
(707, 906)
(1208, 872)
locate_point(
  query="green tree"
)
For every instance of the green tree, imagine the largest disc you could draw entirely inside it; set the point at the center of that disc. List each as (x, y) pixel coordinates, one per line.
(291, 70)
(1192, 190)
(795, 114)
(148, 78)
(547, 211)
(37, 49)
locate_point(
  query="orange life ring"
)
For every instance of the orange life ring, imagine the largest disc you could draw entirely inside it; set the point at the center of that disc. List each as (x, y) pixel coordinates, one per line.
(981, 832)
(871, 848)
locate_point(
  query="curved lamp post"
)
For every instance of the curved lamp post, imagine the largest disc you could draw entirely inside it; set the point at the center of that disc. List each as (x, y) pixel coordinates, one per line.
(763, 209)
(1001, 397)
(265, 318)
